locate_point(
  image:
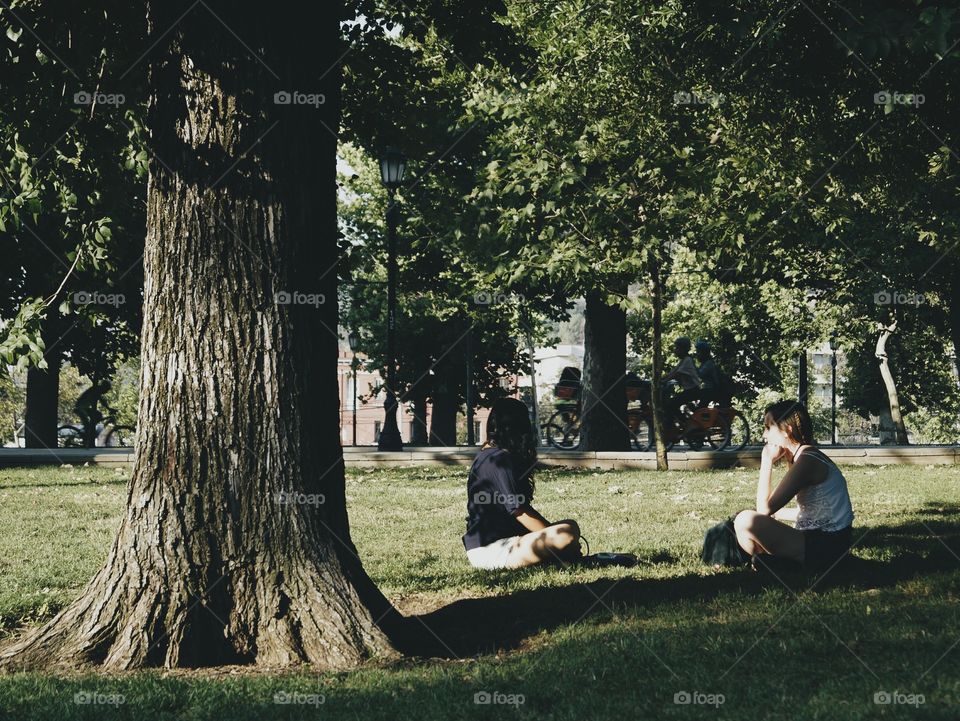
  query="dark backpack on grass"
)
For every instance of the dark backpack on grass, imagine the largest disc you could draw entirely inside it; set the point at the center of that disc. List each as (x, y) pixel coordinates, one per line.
(720, 547)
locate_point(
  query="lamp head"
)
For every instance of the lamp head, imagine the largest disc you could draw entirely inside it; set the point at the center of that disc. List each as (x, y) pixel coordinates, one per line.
(393, 167)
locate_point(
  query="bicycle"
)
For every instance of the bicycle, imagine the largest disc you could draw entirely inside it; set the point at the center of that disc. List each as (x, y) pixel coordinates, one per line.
(716, 424)
(75, 435)
(719, 426)
(562, 430)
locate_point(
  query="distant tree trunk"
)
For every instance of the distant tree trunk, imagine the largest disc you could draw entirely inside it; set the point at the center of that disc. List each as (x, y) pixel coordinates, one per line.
(41, 417)
(87, 407)
(444, 407)
(531, 351)
(656, 399)
(892, 399)
(954, 313)
(603, 424)
(235, 545)
(419, 404)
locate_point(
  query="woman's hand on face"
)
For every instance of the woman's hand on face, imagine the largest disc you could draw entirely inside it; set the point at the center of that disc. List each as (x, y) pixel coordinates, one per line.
(774, 453)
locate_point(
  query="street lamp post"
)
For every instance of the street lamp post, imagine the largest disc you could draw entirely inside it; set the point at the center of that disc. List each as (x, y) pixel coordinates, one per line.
(354, 340)
(833, 390)
(393, 166)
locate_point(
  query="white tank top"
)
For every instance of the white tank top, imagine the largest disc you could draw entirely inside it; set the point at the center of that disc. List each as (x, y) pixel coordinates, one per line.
(825, 506)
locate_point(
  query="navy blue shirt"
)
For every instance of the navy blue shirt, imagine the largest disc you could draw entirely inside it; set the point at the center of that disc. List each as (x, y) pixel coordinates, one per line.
(494, 495)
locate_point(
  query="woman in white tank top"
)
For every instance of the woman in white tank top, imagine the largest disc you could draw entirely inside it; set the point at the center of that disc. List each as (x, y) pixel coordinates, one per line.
(824, 516)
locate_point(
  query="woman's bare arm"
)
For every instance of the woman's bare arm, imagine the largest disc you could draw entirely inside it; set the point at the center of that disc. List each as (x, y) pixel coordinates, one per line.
(804, 472)
(787, 514)
(530, 519)
(763, 481)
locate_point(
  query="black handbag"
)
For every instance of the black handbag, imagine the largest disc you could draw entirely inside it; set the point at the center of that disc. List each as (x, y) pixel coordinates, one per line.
(720, 547)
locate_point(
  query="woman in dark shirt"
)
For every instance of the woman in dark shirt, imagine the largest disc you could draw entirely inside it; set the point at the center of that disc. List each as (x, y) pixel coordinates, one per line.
(503, 529)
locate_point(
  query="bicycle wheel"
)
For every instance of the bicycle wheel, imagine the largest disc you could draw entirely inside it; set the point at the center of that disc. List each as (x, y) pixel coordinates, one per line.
(571, 436)
(694, 438)
(552, 434)
(642, 438)
(563, 430)
(739, 432)
(718, 436)
(558, 418)
(70, 436)
(121, 436)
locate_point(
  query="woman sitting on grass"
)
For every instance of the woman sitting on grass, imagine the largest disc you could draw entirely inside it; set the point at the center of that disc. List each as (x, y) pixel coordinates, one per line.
(823, 532)
(503, 528)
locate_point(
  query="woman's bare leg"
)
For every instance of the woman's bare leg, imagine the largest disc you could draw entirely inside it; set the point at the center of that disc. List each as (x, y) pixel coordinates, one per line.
(559, 541)
(759, 533)
(787, 515)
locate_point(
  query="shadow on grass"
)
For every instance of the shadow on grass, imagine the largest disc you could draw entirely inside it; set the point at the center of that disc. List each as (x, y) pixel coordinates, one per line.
(476, 626)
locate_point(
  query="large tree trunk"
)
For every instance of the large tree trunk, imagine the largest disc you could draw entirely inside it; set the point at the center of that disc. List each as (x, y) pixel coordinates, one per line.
(43, 390)
(603, 425)
(235, 546)
(892, 398)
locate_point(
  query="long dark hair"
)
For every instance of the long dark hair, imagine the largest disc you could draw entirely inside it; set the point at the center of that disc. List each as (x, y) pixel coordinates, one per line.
(509, 428)
(792, 418)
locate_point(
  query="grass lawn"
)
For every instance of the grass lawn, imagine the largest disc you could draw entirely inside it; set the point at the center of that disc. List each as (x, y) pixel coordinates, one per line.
(551, 643)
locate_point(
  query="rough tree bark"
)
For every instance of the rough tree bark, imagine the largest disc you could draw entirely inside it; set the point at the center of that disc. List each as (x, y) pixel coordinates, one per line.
(235, 546)
(603, 425)
(892, 398)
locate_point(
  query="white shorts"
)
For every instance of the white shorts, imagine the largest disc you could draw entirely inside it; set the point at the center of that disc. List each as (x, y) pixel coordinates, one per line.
(494, 555)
